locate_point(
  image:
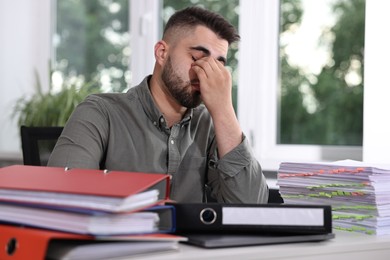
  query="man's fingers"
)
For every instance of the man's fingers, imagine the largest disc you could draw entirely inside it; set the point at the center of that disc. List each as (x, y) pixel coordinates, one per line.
(200, 72)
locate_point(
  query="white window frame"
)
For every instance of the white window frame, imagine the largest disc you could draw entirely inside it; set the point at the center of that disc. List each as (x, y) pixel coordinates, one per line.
(145, 29)
(258, 87)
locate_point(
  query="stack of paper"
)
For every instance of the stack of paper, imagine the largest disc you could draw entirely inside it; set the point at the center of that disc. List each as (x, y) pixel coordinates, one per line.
(358, 193)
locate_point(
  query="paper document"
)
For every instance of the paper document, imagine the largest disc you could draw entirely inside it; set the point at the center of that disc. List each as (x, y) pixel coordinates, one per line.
(358, 192)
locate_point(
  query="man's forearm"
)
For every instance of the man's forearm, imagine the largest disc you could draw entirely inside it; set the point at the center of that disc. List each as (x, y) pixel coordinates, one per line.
(227, 131)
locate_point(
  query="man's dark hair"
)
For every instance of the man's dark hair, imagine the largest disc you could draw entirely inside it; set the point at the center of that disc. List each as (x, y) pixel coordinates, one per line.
(193, 16)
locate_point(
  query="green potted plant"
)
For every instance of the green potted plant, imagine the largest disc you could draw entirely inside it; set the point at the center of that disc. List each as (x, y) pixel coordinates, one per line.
(52, 108)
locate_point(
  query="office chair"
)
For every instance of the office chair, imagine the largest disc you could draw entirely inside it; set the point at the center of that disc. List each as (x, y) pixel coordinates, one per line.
(274, 196)
(37, 143)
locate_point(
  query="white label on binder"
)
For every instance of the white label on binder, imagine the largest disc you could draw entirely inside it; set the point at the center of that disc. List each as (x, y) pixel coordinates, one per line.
(272, 216)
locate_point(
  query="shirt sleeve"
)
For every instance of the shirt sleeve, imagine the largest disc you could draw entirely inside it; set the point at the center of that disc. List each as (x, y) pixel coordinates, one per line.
(82, 142)
(237, 177)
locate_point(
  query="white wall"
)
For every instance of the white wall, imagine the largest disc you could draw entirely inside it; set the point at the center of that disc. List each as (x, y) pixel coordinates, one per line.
(376, 137)
(24, 47)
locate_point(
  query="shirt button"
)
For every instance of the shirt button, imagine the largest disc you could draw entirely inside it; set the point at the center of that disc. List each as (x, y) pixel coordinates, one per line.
(154, 123)
(162, 120)
(172, 142)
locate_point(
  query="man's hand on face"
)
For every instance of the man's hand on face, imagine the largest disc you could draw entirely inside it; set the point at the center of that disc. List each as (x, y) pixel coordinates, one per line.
(215, 84)
(216, 88)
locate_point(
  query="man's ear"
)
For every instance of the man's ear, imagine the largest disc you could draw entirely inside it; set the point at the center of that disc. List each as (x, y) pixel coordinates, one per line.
(161, 51)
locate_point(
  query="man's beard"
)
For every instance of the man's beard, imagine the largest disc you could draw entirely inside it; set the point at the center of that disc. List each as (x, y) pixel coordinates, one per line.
(179, 90)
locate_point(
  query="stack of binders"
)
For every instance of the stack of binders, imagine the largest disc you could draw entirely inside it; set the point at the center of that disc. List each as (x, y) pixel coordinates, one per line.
(84, 206)
(358, 193)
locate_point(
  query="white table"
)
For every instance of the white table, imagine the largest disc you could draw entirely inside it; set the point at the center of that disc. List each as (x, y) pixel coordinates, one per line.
(345, 246)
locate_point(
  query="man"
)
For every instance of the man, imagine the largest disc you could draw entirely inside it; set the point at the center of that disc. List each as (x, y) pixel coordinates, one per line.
(162, 125)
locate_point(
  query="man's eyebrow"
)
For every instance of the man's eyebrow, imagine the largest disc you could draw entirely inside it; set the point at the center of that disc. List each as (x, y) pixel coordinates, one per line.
(207, 53)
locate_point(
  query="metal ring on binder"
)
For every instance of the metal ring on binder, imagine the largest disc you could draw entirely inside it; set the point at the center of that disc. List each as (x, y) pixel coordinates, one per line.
(208, 216)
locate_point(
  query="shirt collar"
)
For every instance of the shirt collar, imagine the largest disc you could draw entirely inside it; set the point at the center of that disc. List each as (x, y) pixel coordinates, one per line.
(150, 108)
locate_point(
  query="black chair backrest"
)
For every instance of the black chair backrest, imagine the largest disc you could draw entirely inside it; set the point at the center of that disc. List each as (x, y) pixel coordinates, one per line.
(37, 143)
(274, 196)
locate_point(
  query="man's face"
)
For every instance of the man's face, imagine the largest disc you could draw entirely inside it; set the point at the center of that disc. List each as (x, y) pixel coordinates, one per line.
(179, 79)
(180, 88)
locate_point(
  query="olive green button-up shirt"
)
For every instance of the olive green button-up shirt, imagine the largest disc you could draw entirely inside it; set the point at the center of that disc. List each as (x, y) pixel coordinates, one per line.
(127, 132)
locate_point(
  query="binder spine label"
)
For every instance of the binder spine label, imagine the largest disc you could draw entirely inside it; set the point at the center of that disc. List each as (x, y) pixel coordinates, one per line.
(273, 216)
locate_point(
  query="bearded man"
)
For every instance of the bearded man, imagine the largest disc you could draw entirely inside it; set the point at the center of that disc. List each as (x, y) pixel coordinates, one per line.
(179, 121)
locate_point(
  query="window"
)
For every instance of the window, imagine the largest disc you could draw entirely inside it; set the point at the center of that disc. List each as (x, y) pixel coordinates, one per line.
(258, 81)
(258, 93)
(321, 72)
(92, 43)
(92, 39)
(277, 134)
